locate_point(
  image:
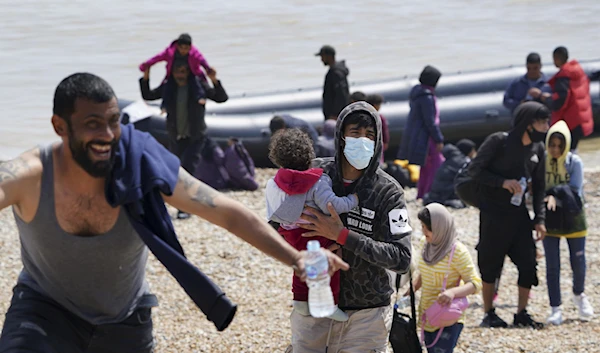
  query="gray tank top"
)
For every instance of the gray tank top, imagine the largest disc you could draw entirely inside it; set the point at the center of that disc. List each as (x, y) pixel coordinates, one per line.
(99, 278)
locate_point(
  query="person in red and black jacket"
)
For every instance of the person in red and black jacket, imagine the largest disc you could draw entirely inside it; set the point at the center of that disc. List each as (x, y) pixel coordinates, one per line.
(570, 100)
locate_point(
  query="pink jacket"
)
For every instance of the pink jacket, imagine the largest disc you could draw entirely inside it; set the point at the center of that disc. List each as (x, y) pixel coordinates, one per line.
(195, 60)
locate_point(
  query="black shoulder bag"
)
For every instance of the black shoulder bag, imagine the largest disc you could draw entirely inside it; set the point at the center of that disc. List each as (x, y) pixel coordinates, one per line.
(403, 335)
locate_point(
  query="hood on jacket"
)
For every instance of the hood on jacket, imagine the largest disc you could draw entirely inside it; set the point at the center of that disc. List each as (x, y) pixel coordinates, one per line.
(525, 114)
(562, 128)
(294, 182)
(340, 68)
(450, 151)
(574, 69)
(430, 76)
(339, 133)
(556, 170)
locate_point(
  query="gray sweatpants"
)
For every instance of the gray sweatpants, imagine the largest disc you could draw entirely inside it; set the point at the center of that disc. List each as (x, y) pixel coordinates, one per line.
(366, 331)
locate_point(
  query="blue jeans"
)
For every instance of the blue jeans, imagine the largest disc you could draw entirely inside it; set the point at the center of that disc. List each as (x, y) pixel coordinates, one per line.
(577, 251)
(447, 340)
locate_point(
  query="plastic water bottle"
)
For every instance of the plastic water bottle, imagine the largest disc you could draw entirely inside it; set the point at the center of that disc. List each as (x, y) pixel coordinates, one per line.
(517, 198)
(403, 302)
(320, 297)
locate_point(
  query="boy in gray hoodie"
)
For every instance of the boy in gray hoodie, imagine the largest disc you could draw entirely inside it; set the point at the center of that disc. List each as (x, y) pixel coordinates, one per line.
(294, 186)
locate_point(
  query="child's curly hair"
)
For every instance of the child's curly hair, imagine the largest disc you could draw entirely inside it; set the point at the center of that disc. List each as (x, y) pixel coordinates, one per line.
(291, 149)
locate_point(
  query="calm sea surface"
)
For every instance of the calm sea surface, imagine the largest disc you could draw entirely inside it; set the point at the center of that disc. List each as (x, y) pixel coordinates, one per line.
(265, 45)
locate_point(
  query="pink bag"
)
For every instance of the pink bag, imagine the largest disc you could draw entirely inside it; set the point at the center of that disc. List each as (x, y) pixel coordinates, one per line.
(441, 316)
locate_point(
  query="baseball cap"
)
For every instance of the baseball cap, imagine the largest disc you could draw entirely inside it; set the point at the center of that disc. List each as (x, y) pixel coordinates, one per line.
(326, 50)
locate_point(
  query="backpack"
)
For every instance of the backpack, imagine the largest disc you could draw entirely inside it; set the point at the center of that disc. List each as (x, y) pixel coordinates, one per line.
(211, 170)
(465, 187)
(240, 167)
(402, 175)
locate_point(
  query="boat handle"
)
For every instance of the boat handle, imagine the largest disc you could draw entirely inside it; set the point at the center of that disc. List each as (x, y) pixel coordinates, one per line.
(492, 113)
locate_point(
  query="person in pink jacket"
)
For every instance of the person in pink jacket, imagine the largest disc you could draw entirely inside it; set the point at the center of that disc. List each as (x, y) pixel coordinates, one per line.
(180, 50)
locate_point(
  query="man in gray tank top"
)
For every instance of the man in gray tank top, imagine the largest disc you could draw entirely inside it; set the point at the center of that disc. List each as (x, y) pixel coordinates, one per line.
(83, 287)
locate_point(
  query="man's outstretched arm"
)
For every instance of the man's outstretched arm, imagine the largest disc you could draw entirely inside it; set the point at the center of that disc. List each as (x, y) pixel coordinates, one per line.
(16, 176)
(193, 196)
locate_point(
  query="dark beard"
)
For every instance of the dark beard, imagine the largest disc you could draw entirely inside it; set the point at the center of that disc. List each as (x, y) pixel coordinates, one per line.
(81, 155)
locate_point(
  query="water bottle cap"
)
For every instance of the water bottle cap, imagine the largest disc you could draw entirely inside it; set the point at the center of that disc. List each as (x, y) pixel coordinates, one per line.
(313, 245)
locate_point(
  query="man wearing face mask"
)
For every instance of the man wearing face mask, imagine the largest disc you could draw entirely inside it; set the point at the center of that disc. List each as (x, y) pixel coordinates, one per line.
(373, 238)
(505, 225)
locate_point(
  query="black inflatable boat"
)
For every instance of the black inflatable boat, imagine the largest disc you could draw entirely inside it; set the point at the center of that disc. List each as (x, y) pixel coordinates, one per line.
(470, 106)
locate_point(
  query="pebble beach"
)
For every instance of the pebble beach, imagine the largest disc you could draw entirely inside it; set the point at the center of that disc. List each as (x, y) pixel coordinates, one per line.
(262, 287)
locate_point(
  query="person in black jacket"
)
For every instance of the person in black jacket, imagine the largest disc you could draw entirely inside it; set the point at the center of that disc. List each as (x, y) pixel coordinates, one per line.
(442, 188)
(505, 225)
(336, 91)
(374, 237)
(185, 110)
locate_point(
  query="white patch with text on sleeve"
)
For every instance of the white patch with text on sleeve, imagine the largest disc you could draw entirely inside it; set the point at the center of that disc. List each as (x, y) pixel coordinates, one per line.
(399, 221)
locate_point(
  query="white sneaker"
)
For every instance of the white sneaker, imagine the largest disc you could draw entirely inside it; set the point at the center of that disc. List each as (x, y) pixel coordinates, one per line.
(586, 312)
(555, 317)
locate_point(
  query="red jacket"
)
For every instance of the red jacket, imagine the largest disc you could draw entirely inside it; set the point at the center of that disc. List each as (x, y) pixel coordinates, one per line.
(295, 182)
(577, 108)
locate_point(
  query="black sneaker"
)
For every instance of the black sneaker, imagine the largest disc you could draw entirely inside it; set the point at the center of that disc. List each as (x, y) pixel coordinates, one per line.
(492, 320)
(523, 319)
(182, 215)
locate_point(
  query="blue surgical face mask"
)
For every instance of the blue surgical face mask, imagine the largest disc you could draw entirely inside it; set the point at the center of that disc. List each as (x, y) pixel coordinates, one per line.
(359, 151)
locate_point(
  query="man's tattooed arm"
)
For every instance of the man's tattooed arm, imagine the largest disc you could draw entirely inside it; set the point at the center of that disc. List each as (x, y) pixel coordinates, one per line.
(10, 173)
(193, 196)
(197, 190)
(10, 170)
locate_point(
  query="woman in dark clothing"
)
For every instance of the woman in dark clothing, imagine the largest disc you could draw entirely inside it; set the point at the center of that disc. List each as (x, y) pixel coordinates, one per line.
(422, 140)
